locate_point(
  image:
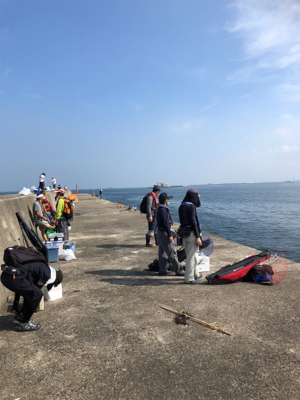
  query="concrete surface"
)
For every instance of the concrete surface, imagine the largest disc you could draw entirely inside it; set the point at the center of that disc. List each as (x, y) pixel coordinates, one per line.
(108, 338)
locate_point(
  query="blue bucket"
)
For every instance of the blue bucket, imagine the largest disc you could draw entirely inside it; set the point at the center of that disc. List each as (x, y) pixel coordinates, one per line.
(69, 245)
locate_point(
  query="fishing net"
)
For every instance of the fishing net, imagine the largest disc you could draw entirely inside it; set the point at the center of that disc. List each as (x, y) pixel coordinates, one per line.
(272, 271)
(207, 245)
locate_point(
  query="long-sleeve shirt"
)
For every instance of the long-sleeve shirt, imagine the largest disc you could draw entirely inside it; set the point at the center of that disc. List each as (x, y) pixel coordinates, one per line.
(60, 208)
(188, 217)
(164, 219)
(151, 206)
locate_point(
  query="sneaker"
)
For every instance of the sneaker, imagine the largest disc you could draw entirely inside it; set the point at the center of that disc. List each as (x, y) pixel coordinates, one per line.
(180, 273)
(163, 273)
(195, 281)
(28, 326)
(150, 245)
(19, 317)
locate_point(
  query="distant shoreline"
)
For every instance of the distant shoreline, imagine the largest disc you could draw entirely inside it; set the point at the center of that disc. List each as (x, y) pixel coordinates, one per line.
(171, 186)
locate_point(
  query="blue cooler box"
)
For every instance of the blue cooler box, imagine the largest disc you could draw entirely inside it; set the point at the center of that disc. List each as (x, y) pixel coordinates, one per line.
(70, 245)
(52, 252)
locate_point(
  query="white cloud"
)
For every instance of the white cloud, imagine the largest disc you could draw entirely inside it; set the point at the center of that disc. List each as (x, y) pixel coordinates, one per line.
(283, 132)
(209, 106)
(287, 116)
(270, 31)
(288, 92)
(188, 126)
(290, 149)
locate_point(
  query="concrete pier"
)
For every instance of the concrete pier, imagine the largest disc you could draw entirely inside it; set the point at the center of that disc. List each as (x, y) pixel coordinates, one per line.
(108, 337)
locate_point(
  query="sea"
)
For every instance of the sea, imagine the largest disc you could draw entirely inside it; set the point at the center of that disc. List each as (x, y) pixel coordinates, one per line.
(259, 215)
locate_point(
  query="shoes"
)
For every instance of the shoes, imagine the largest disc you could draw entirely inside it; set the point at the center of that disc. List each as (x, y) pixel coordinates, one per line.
(195, 281)
(163, 273)
(180, 273)
(150, 245)
(19, 317)
(28, 326)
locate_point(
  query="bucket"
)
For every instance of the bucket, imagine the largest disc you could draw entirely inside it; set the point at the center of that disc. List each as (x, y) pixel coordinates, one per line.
(70, 245)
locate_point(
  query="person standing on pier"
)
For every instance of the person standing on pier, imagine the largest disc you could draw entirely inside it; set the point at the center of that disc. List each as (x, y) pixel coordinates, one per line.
(167, 251)
(190, 231)
(62, 223)
(53, 181)
(42, 181)
(152, 204)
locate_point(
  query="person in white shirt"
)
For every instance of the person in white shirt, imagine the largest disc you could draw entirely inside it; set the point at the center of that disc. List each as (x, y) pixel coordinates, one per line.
(42, 181)
(53, 181)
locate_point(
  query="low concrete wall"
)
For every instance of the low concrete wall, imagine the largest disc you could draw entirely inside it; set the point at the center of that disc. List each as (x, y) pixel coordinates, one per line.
(10, 231)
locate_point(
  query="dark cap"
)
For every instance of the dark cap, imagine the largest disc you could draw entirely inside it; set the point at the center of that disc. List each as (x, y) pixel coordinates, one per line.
(59, 278)
(163, 197)
(156, 188)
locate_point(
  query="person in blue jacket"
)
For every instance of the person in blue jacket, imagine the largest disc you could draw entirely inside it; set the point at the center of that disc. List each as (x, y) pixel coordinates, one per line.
(167, 250)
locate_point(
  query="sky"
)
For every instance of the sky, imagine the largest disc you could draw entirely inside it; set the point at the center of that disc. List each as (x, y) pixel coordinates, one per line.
(126, 93)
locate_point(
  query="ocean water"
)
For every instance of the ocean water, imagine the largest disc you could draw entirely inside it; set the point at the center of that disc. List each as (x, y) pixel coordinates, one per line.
(259, 215)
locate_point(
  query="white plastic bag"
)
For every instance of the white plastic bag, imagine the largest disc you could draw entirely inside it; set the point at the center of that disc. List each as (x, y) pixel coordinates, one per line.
(24, 191)
(68, 255)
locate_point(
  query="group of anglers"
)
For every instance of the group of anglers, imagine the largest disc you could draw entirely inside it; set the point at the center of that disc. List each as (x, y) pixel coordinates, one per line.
(155, 205)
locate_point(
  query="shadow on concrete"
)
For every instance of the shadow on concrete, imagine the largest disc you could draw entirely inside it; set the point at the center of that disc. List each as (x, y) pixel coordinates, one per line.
(7, 323)
(137, 278)
(111, 246)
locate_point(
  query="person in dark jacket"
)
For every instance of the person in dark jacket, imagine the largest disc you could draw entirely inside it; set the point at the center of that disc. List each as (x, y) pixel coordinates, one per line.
(27, 282)
(152, 204)
(190, 231)
(167, 251)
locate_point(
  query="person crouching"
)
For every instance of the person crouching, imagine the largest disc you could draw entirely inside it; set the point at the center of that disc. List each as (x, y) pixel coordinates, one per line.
(28, 282)
(167, 251)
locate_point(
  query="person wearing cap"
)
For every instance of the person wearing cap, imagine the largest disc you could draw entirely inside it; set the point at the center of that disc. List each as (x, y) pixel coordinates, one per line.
(167, 251)
(190, 231)
(28, 282)
(152, 204)
(38, 215)
(62, 223)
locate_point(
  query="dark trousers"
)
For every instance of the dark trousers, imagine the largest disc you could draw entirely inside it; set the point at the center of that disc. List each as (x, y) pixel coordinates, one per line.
(62, 227)
(22, 287)
(167, 253)
(152, 227)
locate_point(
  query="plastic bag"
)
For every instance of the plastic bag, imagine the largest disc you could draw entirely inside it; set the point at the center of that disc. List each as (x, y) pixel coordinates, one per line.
(68, 255)
(24, 191)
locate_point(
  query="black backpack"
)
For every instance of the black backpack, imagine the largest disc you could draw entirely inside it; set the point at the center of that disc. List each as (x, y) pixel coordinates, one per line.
(17, 256)
(143, 205)
(68, 210)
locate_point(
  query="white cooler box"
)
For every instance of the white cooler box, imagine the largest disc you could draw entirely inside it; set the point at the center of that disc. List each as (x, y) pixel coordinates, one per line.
(53, 294)
(203, 263)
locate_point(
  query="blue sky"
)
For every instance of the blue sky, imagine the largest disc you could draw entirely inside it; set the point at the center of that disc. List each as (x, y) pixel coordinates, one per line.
(125, 93)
